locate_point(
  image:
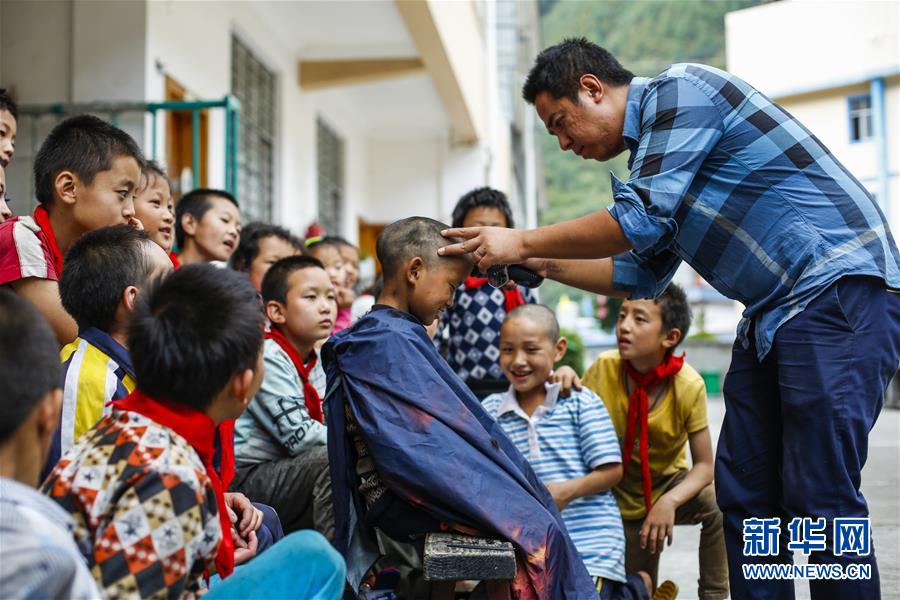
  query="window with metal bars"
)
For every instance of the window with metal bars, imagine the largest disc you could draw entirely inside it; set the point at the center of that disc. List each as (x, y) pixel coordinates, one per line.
(254, 85)
(330, 158)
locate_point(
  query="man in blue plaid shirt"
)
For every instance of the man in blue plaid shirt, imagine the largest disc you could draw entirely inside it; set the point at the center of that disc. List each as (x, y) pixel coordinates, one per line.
(729, 182)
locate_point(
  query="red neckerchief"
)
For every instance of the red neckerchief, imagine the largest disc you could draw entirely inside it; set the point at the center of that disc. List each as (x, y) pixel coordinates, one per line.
(200, 432)
(310, 394)
(174, 258)
(513, 297)
(42, 218)
(637, 408)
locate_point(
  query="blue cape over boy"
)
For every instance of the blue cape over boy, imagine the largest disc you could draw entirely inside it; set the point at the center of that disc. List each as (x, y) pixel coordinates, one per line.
(437, 449)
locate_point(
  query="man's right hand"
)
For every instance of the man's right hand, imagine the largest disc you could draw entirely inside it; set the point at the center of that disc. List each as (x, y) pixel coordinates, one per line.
(488, 246)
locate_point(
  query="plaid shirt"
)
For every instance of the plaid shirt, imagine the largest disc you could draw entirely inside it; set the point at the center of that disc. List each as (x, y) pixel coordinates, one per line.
(729, 182)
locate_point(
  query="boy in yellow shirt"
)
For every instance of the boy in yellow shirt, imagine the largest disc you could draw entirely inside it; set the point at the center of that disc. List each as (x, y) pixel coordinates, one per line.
(657, 403)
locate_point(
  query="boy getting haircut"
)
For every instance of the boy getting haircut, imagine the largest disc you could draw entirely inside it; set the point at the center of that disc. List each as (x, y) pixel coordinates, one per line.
(104, 273)
(154, 207)
(569, 441)
(280, 440)
(38, 556)
(472, 341)
(668, 399)
(207, 226)
(261, 246)
(9, 117)
(148, 480)
(412, 450)
(85, 175)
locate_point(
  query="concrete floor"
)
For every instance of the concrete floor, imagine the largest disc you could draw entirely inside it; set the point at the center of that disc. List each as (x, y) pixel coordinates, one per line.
(881, 487)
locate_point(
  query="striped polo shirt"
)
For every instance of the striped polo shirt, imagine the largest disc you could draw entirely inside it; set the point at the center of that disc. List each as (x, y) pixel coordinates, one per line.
(96, 371)
(567, 438)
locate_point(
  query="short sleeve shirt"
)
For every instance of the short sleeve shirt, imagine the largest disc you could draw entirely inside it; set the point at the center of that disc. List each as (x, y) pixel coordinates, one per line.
(567, 438)
(25, 251)
(678, 413)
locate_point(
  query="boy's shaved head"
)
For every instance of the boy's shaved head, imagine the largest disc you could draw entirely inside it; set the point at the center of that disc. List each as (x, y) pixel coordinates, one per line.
(403, 240)
(537, 313)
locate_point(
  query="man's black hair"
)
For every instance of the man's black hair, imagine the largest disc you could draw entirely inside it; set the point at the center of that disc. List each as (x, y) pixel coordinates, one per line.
(408, 238)
(251, 235)
(483, 196)
(98, 268)
(558, 69)
(274, 285)
(196, 203)
(192, 331)
(84, 145)
(7, 103)
(675, 310)
(29, 361)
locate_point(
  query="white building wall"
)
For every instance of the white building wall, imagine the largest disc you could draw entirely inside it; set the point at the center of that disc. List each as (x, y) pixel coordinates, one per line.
(783, 47)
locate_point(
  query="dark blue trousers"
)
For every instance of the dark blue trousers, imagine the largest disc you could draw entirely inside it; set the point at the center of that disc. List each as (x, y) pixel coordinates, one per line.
(795, 436)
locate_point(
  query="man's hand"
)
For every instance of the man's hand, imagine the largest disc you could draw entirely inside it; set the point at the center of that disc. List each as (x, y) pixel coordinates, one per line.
(567, 379)
(659, 525)
(563, 492)
(488, 246)
(251, 517)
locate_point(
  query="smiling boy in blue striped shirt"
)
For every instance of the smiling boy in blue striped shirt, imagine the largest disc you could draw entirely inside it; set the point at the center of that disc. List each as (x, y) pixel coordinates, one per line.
(569, 441)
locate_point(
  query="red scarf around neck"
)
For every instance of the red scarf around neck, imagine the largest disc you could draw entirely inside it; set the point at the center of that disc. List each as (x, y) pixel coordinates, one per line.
(310, 393)
(637, 409)
(513, 297)
(42, 218)
(200, 432)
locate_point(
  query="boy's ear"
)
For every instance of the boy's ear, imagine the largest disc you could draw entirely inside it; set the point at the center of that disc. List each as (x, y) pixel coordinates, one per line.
(129, 298)
(414, 269)
(561, 345)
(241, 386)
(673, 336)
(276, 312)
(188, 224)
(48, 414)
(65, 186)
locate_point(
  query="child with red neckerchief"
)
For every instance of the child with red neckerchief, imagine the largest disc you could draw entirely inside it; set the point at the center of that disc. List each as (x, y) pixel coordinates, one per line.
(86, 173)
(657, 403)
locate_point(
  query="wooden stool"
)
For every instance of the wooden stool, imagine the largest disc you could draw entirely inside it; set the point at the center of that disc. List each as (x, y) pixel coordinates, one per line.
(453, 557)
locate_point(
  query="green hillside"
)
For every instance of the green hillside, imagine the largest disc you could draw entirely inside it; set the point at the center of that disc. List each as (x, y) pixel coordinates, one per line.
(646, 36)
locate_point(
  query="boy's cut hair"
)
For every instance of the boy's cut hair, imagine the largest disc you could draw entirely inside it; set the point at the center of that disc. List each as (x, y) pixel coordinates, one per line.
(537, 313)
(408, 238)
(558, 68)
(29, 361)
(274, 285)
(486, 197)
(8, 104)
(192, 331)
(675, 310)
(196, 203)
(84, 145)
(252, 234)
(98, 268)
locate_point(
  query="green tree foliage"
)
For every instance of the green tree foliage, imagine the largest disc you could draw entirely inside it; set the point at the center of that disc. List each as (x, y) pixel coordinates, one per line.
(646, 36)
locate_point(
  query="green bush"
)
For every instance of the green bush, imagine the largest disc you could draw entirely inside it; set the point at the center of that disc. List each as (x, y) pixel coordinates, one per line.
(575, 354)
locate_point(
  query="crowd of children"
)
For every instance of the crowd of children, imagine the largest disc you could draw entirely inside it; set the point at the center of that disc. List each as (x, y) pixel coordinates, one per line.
(168, 390)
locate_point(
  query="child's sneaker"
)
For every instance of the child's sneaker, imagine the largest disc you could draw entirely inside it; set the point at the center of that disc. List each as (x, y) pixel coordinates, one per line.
(666, 591)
